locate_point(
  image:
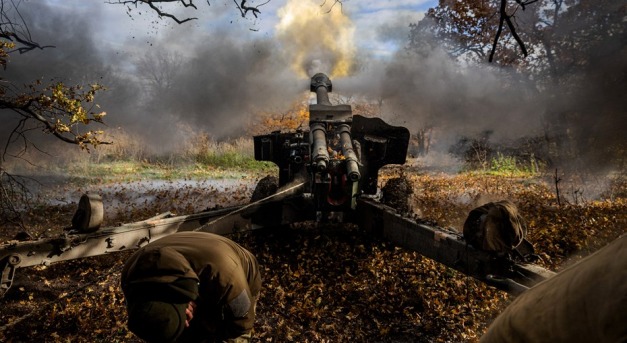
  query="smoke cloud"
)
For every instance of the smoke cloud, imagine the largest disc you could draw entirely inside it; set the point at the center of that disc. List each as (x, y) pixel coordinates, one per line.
(221, 80)
(223, 83)
(224, 76)
(316, 38)
(433, 91)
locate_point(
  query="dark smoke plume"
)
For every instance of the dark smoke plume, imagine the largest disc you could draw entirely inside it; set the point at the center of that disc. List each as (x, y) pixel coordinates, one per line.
(222, 79)
(434, 91)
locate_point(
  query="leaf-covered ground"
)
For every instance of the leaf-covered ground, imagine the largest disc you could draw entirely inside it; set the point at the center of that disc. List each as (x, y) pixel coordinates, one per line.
(330, 283)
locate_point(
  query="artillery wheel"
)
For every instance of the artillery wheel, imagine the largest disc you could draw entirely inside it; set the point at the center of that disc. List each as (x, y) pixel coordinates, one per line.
(89, 215)
(397, 193)
(266, 187)
(271, 214)
(496, 226)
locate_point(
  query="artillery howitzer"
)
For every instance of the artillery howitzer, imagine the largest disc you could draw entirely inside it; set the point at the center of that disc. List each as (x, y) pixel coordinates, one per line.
(328, 173)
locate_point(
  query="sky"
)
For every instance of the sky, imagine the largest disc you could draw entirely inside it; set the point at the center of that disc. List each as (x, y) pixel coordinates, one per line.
(381, 27)
(234, 67)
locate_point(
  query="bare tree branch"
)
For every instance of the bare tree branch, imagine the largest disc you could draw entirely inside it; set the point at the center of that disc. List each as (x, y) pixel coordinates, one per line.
(28, 45)
(245, 9)
(506, 18)
(26, 111)
(525, 3)
(512, 29)
(335, 2)
(14, 29)
(151, 4)
(20, 133)
(154, 5)
(12, 192)
(168, 15)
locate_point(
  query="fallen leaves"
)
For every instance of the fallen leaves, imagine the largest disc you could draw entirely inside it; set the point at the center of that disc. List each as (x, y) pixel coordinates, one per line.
(328, 283)
(357, 289)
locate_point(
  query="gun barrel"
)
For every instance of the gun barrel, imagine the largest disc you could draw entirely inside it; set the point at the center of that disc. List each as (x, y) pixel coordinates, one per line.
(352, 168)
(319, 146)
(321, 85)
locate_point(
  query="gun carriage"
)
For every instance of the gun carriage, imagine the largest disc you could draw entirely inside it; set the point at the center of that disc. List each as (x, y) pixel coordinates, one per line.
(326, 173)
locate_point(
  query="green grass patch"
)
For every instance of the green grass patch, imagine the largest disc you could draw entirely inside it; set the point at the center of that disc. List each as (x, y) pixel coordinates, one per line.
(230, 160)
(502, 165)
(229, 165)
(507, 166)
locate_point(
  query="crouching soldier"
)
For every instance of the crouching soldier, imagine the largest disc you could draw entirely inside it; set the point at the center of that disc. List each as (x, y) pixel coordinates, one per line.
(584, 303)
(191, 287)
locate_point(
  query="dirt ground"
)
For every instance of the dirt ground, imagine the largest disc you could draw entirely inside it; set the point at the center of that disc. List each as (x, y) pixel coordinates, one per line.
(330, 283)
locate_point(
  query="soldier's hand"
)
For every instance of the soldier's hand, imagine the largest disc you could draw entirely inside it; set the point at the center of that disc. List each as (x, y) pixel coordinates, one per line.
(189, 312)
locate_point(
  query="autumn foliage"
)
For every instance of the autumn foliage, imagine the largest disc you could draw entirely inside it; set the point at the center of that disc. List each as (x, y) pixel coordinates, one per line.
(296, 117)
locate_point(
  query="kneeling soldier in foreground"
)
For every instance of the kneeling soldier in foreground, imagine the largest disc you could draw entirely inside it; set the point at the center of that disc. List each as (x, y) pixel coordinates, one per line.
(191, 287)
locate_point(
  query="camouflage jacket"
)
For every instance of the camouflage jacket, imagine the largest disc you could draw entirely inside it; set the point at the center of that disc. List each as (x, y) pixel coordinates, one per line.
(228, 276)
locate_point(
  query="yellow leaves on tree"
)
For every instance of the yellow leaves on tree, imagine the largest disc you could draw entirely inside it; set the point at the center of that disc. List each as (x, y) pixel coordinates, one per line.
(61, 110)
(65, 109)
(4, 55)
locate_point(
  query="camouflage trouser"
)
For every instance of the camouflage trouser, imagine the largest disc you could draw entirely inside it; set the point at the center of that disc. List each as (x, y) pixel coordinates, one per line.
(245, 338)
(201, 337)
